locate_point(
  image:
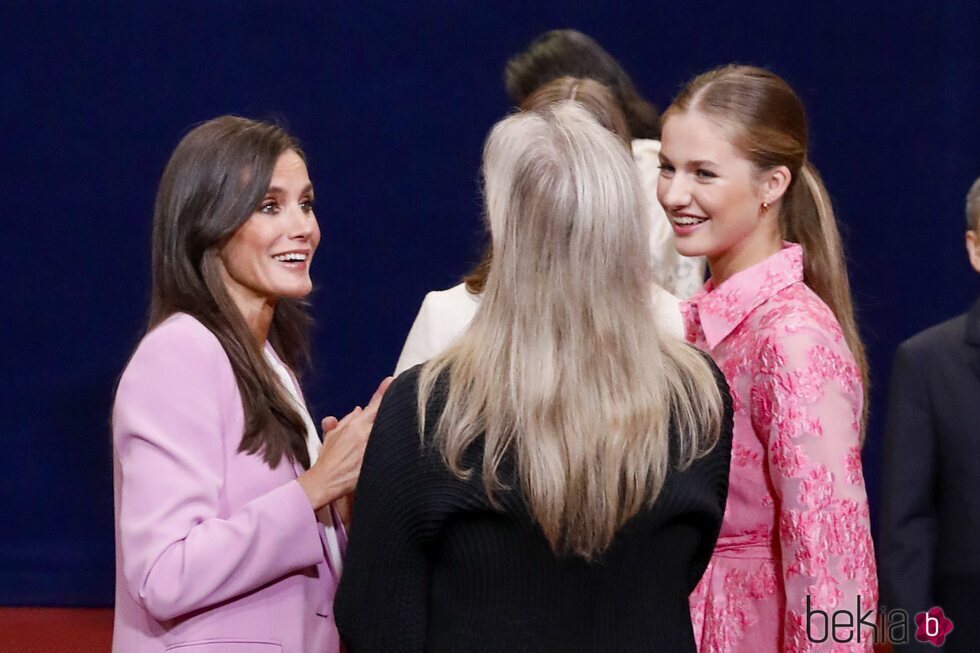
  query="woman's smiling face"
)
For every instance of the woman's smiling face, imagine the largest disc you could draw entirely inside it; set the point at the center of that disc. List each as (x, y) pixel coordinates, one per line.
(713, 195)
(269, 256)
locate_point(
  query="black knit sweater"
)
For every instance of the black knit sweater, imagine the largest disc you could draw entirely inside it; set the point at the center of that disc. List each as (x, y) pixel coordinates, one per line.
(431, 566)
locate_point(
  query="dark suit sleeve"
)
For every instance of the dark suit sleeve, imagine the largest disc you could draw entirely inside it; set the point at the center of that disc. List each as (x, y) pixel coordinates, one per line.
(909, 516)
(381, 604)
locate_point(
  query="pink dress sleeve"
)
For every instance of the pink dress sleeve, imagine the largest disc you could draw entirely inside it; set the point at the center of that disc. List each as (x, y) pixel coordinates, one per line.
(807, 397)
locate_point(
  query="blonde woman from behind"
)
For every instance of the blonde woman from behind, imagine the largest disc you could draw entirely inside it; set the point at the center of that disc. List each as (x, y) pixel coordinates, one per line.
(556, 478)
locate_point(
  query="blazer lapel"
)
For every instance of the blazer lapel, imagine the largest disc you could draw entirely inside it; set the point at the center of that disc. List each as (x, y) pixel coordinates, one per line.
(973, 336)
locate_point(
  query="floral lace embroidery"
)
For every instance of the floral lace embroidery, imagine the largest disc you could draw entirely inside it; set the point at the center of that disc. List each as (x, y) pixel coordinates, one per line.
(797, 521)
(852, 463)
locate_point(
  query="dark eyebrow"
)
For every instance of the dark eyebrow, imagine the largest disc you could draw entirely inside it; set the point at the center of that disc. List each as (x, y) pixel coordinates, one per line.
(702, 163)
(276, 190)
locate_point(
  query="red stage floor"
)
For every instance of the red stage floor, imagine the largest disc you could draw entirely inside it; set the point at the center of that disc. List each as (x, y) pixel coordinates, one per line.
(79, 630)
(55, 630)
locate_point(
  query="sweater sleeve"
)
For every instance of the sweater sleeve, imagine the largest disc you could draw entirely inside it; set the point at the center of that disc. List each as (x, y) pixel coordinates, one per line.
(381, 604)
(178, 552)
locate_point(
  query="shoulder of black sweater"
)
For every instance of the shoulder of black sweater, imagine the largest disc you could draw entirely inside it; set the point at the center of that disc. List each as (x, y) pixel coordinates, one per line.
(396, 425)
(396, 447)
(402, 400)
(403, 389)
(400, 404)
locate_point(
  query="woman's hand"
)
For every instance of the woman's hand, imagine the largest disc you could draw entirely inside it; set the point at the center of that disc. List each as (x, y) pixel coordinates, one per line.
(343, 505)
(336, 470)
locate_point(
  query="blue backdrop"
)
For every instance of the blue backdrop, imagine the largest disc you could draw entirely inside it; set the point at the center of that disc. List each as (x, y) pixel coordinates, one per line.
(392, 102)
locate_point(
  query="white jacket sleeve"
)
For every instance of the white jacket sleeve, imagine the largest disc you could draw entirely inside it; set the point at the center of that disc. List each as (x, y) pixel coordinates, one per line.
(419, 346)
(444, 315)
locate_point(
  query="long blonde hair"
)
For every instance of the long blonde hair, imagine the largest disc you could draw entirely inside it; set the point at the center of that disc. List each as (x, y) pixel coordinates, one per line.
(598, 100)
(770, 130)
(564, 365)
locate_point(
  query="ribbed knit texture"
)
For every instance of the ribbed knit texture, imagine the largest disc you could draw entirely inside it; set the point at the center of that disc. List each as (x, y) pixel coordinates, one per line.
(431, 566)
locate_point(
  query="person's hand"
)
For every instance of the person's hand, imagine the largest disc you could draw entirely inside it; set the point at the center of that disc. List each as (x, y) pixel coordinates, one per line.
(343, 505)
(328, 424)
(336, 470)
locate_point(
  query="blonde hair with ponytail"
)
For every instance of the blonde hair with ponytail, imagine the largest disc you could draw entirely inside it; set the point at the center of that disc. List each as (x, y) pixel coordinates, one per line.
(769, 128)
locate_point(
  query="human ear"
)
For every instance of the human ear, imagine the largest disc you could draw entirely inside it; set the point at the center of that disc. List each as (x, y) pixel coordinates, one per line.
(775, 183)
(973, 248)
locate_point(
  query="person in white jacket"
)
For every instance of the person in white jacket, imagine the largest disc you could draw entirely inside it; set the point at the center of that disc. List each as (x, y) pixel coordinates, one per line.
(562, 52)
(445, 314)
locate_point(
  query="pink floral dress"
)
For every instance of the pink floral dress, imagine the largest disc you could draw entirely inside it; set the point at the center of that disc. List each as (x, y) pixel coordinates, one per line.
(796, 524)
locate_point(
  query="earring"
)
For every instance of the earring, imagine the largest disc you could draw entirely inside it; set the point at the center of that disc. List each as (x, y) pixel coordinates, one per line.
(765, 207)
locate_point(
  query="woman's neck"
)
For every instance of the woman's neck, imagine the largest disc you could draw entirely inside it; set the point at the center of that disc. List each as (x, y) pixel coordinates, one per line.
(257, 314)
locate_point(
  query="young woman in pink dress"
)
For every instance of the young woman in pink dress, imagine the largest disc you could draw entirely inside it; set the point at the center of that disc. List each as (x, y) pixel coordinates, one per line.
(795, 546)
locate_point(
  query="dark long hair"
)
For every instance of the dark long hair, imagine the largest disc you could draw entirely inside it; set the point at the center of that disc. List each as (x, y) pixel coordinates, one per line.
(569, 53)
(770, 130)
(214, 181)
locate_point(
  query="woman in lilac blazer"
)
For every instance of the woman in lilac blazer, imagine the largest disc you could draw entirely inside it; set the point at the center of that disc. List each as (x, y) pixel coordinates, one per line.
(229, 512)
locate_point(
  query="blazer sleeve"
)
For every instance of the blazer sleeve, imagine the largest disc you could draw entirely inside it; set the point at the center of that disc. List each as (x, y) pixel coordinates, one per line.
(179, 552)
(909, 480)
(420, 344)
(382, 602)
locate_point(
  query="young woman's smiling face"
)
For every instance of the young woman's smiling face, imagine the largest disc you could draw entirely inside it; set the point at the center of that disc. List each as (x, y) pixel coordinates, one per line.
(269, 256)
(713, 195)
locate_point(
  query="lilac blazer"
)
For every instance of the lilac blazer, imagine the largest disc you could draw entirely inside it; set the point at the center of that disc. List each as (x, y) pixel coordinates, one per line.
(215, 551)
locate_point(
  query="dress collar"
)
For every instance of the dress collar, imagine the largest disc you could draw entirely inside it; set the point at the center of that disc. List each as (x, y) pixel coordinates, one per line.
(715, 312)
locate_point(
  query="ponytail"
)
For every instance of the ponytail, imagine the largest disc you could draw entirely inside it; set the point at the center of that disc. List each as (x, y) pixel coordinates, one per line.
(770, 130)
(807, 218)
